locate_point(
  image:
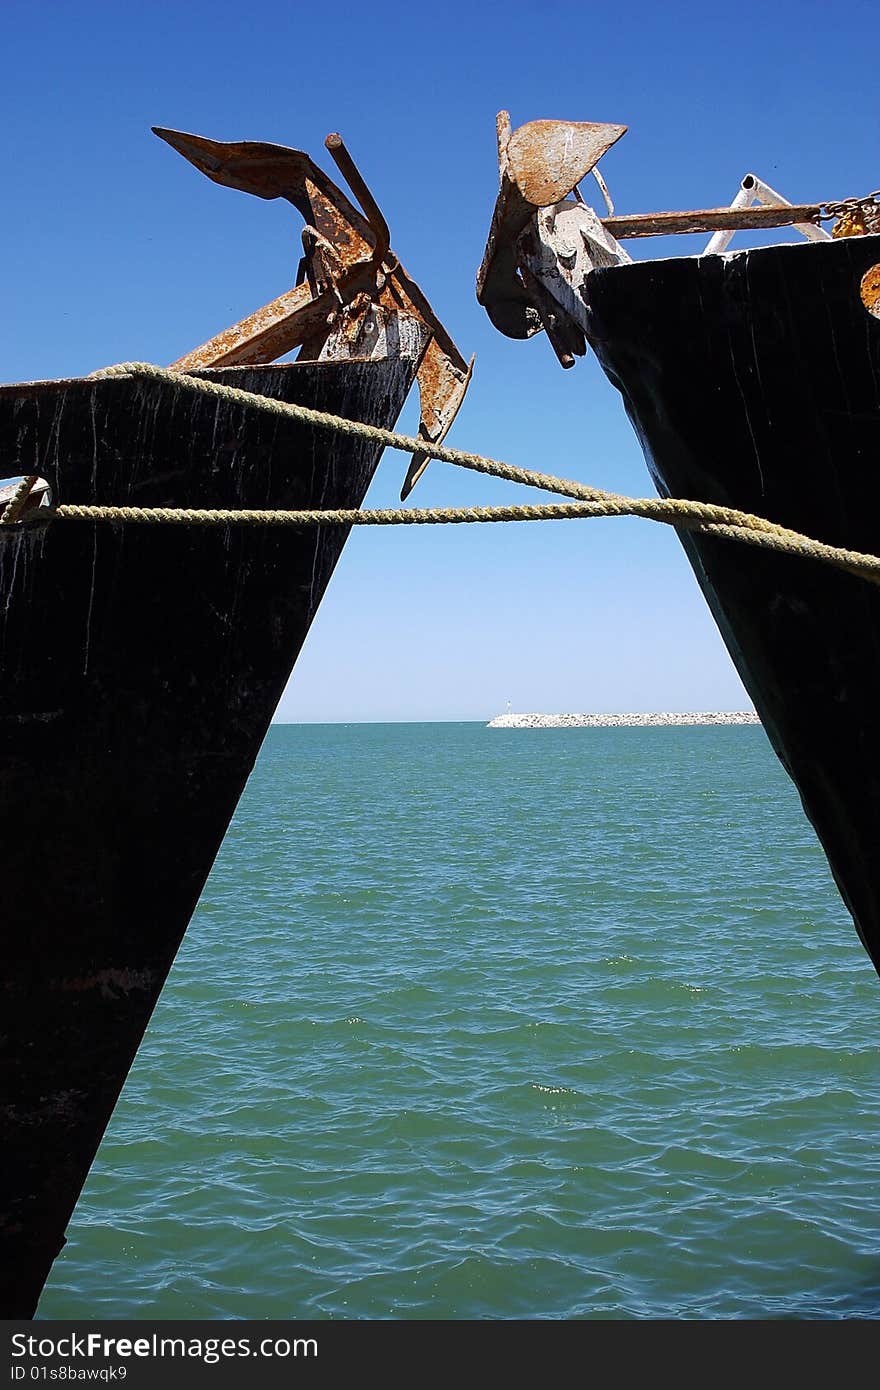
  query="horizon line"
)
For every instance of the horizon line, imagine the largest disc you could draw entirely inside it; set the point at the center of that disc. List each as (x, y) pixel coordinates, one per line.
(520, 714)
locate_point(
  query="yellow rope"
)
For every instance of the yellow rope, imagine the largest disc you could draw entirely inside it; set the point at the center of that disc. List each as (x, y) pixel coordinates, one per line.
(13, 507)
(706, 518)
(670, 511)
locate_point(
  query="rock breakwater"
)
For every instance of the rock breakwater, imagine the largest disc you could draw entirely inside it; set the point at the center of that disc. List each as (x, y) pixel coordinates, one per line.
(613, 721)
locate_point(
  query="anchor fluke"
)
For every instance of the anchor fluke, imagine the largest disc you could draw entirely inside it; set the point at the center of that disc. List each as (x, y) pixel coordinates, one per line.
(547, 159)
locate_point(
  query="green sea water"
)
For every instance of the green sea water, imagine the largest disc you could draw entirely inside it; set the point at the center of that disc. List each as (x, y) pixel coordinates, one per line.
(500, 1024)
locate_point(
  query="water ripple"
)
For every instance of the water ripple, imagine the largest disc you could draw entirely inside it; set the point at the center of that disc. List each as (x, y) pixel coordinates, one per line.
(476, 1027)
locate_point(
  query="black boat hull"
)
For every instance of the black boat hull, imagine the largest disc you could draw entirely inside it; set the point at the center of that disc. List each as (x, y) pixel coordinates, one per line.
(141, 666)
(753, 380)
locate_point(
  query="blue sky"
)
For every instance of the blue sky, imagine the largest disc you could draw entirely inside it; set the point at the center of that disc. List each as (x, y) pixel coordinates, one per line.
(113, 248)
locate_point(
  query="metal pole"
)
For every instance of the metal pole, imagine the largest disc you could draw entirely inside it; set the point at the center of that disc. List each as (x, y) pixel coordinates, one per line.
(755, 190)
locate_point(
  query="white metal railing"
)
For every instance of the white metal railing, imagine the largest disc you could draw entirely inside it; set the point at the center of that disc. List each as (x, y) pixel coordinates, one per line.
(754, 190)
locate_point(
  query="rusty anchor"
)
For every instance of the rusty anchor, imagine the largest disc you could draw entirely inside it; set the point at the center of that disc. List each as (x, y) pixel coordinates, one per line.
(532, 268)
(350, 284)
(544, 241)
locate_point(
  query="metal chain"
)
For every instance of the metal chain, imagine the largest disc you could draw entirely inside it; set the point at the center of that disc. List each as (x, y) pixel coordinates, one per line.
(855, 216)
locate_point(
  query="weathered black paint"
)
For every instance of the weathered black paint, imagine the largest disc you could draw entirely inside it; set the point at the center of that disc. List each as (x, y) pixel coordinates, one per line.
(139, 670)
(753, 380)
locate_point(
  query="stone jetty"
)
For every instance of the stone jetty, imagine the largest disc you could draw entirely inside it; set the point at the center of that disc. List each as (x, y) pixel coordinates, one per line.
(614, 721)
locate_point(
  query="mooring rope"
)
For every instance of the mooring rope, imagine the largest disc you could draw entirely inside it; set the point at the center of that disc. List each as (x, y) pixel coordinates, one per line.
(671, 511)
(13, 508)
(703, 517)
